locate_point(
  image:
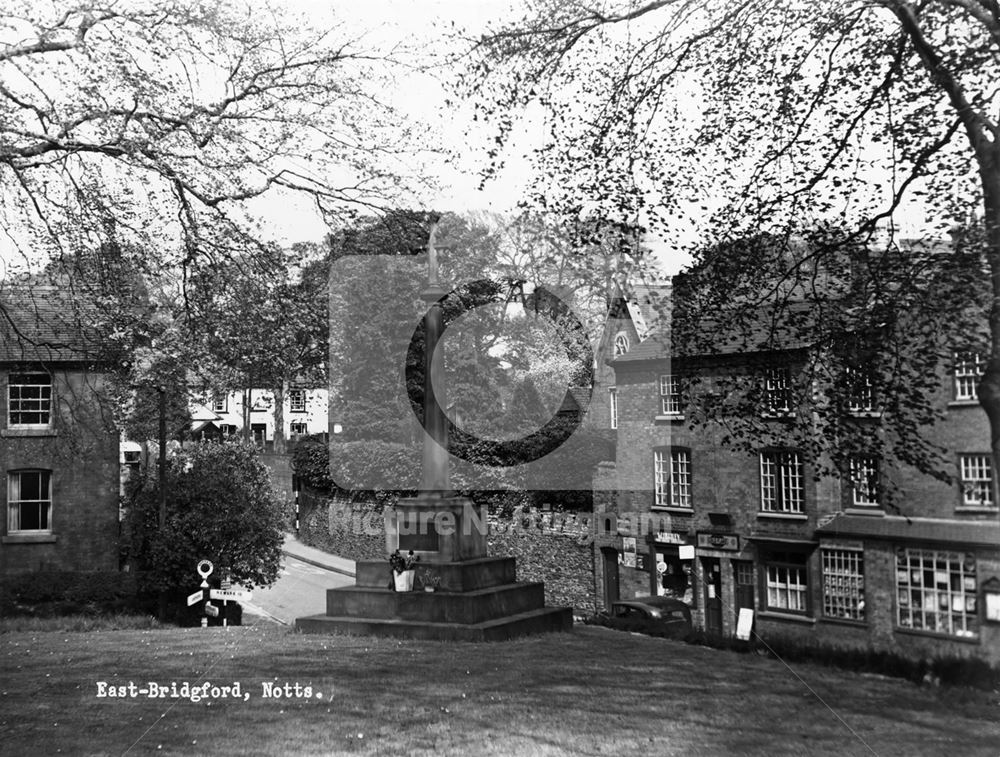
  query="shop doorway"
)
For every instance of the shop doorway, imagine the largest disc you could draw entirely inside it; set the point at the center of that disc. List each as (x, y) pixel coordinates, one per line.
(611, 590)
(673, 577)
(713, 595)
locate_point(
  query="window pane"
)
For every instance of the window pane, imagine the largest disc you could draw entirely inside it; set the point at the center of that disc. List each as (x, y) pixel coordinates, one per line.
(777, 391)
(29, 503)
(786, 587)
(861, 392)
(843, 584)
(29, 398)
(969, 368)
(670, 398)
(977, 480)
(680, 481)
(661, 478)
(936, 591)
(864, 481)
(782, 484)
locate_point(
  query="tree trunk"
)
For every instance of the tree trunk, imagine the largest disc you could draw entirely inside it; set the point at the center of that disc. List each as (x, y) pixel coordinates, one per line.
(247, 398)
(280, 391)
(989, 386)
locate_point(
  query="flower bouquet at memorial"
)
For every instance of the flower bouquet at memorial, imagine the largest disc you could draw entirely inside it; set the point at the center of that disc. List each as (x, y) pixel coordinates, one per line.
(429, 580)
(403, 570)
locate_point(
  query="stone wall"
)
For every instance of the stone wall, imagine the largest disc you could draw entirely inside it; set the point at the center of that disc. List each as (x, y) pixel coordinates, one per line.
(354, 530)
(554, 548)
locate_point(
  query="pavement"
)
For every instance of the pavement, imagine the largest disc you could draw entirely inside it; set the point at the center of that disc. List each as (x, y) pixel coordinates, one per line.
(294, 548)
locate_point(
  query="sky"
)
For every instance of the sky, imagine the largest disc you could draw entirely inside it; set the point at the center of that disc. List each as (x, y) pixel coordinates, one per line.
(422, 26)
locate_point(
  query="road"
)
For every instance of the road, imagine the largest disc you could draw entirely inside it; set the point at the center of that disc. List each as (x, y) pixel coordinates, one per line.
(301, 590)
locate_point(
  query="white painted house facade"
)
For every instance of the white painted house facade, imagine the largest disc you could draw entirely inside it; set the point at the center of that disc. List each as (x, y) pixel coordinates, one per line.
(305, 412)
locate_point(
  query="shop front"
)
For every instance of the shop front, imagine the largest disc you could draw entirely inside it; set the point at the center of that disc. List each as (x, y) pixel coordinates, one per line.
(719, 570)
(673, 574)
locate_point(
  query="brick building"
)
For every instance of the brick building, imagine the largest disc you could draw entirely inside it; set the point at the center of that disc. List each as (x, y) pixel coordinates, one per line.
(815, 555)
(59, 455)
(632, 316)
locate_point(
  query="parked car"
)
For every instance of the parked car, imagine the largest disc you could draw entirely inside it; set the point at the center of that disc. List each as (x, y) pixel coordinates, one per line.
(656, 616)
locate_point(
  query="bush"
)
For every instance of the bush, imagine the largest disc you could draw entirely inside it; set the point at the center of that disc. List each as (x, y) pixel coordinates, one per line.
(220, 507)
(49, 593)
(311, 463)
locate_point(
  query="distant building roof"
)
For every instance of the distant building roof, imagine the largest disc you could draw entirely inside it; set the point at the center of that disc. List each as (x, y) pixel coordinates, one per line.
(42, 325)
(784, 329)
(649, 306)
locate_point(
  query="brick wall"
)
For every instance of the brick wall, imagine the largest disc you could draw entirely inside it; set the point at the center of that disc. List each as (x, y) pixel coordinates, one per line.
(725, 482)
(81, 452)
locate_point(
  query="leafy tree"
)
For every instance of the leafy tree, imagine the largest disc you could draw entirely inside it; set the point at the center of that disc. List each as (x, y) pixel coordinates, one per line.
(799, 120)
(219, 507)
(261, 321)
(866, 342)
(136, 137)
(488, 378)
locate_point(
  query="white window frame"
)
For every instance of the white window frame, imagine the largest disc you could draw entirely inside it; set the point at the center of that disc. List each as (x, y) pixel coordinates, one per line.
(782, 482)
(787, 586)
(220, 404)
(303, 425)
(297, 400)
(976, 477)
(778, 391)
(42, 404)
(969, 369)
(613, 401)
(936, 592)
(15, 501)
(843, 584)
(860, 391)
(864, 472)
(673, 484)
(670, 394)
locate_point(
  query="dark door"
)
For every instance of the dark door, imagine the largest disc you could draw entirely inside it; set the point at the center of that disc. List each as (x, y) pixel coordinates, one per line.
(743, 575)
(610, 575)
(713, 595)
(259, 431)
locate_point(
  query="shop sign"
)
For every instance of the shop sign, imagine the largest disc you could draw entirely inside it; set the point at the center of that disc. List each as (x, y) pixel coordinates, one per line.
(669, 537)
(728, 542)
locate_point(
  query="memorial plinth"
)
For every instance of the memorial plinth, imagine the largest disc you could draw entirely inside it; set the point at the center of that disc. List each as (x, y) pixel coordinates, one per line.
(478, 598)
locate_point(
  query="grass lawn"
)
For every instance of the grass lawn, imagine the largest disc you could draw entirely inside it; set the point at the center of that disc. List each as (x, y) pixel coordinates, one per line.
(589, 692)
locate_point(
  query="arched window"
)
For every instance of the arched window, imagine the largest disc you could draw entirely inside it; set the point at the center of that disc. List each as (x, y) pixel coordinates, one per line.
(621, 343)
